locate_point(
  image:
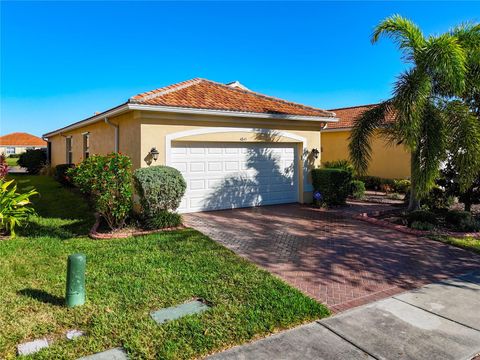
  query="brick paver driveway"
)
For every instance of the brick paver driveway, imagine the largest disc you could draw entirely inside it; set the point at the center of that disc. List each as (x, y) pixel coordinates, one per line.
(326, 254)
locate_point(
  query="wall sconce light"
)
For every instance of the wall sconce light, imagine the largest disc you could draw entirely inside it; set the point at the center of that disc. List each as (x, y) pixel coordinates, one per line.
(154, 153)
(315, 153)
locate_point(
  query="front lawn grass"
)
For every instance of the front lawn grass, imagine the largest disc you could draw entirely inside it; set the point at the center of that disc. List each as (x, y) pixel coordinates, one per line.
(11, 161)
(126, 279)
(468, 243)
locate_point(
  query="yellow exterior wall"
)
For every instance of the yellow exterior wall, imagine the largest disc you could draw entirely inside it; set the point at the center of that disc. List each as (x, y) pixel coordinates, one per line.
(392, 162)
(102, 140)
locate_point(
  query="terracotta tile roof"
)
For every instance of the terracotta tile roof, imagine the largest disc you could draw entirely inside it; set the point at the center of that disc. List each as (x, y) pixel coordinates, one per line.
(19, 138)
(206, 94)
(347, 116)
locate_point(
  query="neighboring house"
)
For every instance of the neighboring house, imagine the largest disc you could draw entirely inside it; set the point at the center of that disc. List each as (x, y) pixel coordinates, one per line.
(18, 142)
(388, 161)
(235, 147)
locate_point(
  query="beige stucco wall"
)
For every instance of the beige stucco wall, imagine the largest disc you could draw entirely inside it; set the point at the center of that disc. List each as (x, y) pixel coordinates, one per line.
(388, 161)
(102, 140)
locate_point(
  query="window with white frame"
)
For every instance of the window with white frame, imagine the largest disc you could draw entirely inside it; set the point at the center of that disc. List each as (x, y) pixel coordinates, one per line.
(10, 150)
(68, 147)
(86, 145)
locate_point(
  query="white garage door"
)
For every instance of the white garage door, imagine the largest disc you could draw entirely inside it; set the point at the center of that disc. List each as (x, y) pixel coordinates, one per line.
(233, 175)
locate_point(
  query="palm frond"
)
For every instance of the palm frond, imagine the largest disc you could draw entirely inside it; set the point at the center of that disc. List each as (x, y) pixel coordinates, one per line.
(403, 32)
(365, 125)
(445, 60)
(411, 94)
(464, 142)
(430, 150)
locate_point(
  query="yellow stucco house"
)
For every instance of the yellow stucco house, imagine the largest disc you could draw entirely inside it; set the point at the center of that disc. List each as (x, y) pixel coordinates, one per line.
(388, 161)
(235, 147)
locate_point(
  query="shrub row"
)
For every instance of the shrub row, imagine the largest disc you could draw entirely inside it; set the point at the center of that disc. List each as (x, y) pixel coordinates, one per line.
(456, 220)
(109, 182)
(375, 183)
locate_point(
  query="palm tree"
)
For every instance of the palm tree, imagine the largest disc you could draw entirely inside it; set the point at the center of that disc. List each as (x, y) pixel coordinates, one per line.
(421, 114)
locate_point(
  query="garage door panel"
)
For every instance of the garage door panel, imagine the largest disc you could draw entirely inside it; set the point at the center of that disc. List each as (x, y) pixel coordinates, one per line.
(230, 175)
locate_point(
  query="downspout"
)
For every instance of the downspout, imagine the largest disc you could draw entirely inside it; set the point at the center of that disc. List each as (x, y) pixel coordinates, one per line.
(115, 126)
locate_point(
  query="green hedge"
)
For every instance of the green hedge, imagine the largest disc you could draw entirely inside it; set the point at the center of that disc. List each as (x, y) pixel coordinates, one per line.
(333, 184)
(33, 160)
(160, 188)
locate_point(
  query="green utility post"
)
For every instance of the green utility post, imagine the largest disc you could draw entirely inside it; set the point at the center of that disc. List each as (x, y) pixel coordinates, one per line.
(76, 280)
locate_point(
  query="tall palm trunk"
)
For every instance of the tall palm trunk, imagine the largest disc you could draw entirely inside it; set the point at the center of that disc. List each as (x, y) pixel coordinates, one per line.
(413, 203)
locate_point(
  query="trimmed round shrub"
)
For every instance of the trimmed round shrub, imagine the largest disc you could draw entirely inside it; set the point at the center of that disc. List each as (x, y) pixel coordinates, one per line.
(33, 160)
(461, 221)
(423, 216)
(357, 189)
(333, 184)
(160, 188)
(163, 219)
(61, 174)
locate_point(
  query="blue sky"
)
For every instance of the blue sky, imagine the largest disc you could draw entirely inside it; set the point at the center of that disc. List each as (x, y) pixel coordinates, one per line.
(62, 61)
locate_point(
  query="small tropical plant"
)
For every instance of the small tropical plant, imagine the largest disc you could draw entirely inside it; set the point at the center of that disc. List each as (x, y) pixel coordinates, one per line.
(14, 207)
(108, 180)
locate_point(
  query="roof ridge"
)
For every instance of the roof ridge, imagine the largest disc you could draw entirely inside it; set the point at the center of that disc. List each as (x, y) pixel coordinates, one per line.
(165, 90)
(355, 106)
(267, 96)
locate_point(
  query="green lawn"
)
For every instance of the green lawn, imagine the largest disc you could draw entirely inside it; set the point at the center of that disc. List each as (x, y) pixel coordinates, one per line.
(11, 161)
(468, 243)
(126, 279)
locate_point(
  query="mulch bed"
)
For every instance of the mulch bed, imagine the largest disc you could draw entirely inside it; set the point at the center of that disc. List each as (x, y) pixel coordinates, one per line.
(97, 233)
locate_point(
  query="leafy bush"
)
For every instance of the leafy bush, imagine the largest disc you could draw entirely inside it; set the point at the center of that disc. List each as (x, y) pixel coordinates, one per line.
(461, 221)
(163, 219)
(33, 160)
(423, 216)
(420, 225)
(333, 184)
(108, 180)
(61, 174)
(357, 189)
(14, 207)
(401, 186)
(437, 199)
(14, 156)
(159, 188)
(371, 182)
(3, 167)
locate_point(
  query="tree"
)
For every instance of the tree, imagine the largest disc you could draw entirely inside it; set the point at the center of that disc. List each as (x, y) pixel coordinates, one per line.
(468, 106)
(421, 114)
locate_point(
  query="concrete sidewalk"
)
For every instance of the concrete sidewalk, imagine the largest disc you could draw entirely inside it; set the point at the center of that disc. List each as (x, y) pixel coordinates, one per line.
(438, 321)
